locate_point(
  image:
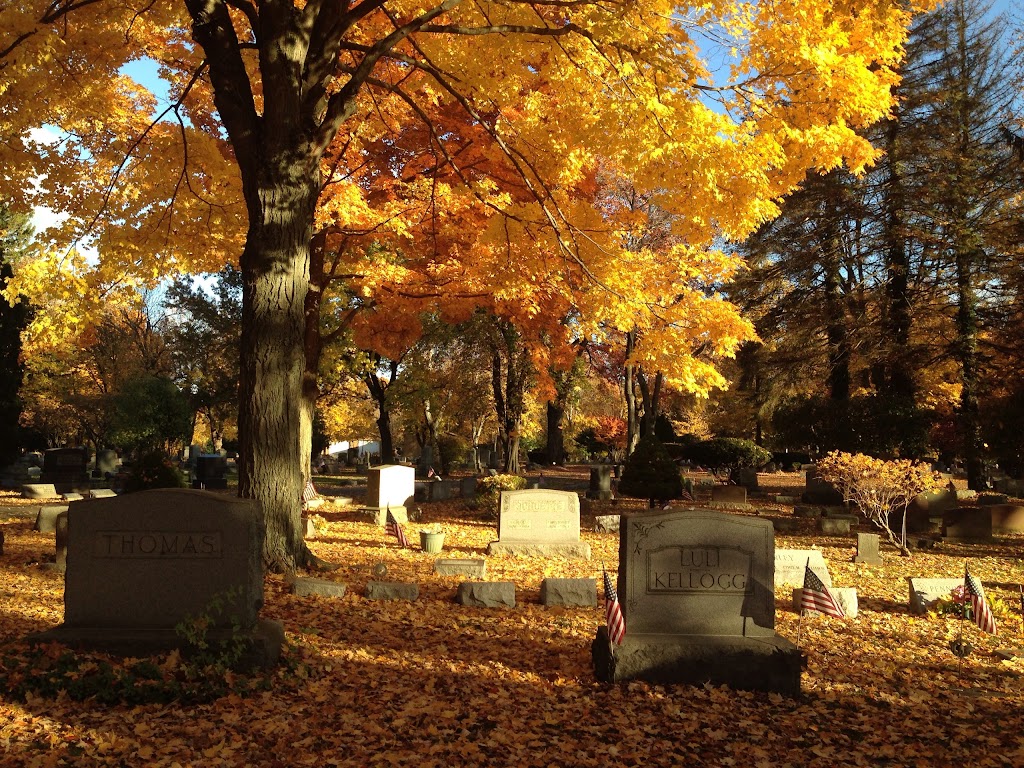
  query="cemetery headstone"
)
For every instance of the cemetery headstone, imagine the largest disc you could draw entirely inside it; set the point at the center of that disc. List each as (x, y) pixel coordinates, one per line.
(928, 507)
(539, 522)
(967, 524)
(868, 549)
(391, 590)
(732, 496)
(487, 594)
(819, 491)
(835, 525)
(790, 565)
(926, 592)
(181, 551)
(39, 491)
(211, 472)
(107, 462)
(600, 483)
(696, 589)
(571, 592)
(748, 478)
(389, 486)
(1007, 518)
(46, 518)
(305, 586)
(66, 468)
(471, 567)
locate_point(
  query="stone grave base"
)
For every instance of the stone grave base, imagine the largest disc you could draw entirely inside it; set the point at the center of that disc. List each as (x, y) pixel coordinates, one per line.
(380, 514)
(751, 664)
(729, 505)
(574, 549)
(263, 642)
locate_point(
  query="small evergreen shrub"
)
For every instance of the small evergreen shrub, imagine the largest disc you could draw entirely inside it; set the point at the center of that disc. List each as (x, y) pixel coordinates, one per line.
(727, 455)
(650, 473)
(153, 470)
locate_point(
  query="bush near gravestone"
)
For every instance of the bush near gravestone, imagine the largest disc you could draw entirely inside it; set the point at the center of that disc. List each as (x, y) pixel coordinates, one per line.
(488, 491)
(650, 473)
(153, 470)
(726, 456)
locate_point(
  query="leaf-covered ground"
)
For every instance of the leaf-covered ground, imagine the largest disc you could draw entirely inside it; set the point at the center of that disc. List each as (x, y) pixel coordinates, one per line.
(431, 683)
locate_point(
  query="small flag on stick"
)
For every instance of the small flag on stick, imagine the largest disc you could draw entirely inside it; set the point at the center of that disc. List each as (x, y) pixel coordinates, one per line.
(612, 612)
(430, 473)
(395, 529)
(816, 597)
(982, 613)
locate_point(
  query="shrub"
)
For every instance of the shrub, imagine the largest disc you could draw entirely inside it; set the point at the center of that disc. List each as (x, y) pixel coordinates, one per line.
(488, 490)
(727, 455)
(650, 473)
(879, 488)
(153, 470)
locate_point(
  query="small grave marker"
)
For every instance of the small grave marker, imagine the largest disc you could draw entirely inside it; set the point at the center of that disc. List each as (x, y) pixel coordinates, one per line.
(790, 564)
(868, 549)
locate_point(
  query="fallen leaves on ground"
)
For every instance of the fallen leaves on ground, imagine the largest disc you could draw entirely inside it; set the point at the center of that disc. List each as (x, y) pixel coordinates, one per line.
(432, 683)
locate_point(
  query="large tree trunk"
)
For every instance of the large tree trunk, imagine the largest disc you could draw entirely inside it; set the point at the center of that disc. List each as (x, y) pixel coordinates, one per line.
(555, 439)
(275, 270)
(629, 386)
(378, 389)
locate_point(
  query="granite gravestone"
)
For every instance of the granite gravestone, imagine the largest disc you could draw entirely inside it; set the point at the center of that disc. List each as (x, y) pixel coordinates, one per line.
(790, 565)
(696, 588)
(141, 564)
(1007, 518)
(868, 549)
(389, 486)
(66, 469)
(539, 522)
(600, 483)
(729, 496)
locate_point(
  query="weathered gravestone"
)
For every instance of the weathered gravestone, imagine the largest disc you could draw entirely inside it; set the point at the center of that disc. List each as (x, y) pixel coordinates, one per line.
(967, 524)
(696, 588)
(140, 565)
(819, 491)
(211, 472)
(107, 462)
(600, 483)
(734, 496)
(471, 567)
(66, 469)
(748, 478)
(539, 522)
(924, 593)
(46, 518)
(790, 565)
(868, 549)
(571, 592)
(39, 491)
(389, 486)
(1007, 518)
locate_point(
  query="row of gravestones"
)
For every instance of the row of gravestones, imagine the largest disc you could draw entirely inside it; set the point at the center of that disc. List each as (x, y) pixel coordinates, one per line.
(696, 586)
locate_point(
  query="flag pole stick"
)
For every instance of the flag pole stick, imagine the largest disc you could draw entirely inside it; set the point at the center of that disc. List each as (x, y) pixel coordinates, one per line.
(800, 620)
(1021, 587)
(960, 632)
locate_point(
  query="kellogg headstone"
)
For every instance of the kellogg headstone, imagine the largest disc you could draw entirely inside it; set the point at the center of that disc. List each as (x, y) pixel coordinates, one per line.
(389, 486)
(180, 552)
(539, 522)
(696, 588)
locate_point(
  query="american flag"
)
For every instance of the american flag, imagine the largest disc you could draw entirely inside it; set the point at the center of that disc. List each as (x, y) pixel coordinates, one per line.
(816, 597)
(982, 613)
(395, 529)
(430, 472)
(612, 612)
(309, 492)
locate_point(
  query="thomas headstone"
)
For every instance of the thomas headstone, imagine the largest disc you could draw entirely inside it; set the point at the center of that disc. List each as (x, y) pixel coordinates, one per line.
(181, 551)
(696, 589)
(389, 486)
(539, 522)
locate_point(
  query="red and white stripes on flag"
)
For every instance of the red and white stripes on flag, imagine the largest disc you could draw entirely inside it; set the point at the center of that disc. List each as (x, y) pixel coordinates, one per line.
(982, 612)
(612, 612)
(816, 597)
(395, 529)
(309, 492)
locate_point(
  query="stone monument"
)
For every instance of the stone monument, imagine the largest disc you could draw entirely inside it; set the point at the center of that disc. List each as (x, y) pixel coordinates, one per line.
(389, 486)
(140, 565)
(696, 588)
(539, 522)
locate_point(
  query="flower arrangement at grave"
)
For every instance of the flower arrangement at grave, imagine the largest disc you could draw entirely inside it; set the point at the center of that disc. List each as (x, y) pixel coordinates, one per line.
(882, 490)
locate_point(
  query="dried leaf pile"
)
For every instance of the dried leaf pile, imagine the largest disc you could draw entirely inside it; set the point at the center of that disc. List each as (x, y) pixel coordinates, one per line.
(431, 683)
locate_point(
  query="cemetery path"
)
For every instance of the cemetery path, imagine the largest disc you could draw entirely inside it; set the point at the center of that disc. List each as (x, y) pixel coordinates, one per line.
(433, 683)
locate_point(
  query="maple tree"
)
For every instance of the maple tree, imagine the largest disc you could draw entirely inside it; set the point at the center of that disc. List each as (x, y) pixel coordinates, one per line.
(553, 86)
